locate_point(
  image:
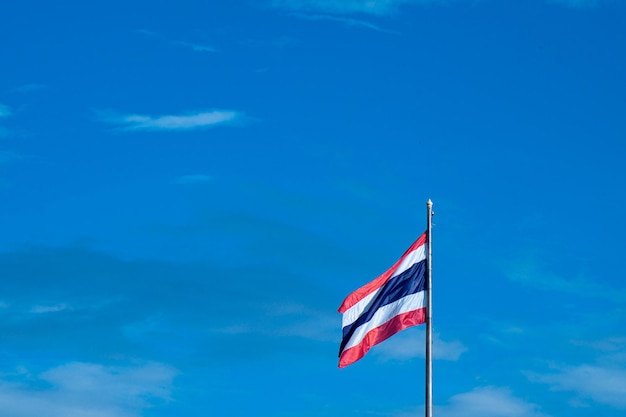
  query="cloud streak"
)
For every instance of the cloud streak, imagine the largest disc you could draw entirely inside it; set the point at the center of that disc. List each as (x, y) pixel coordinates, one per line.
(410, 344)
(373, 7)
(42, 309)
(529, 271)
(343, 20)
(189, 121)
(489, 402)
(602, 384)
(27, 88)
(5, 111)
(9, 157)
(578, 4)
(180, 312)
(86, 389)
(196, 47)
(387, 7)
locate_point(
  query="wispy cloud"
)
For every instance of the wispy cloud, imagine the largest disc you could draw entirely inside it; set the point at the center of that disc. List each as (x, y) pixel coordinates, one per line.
(579, 4)
(489, 402)
(87, 389)
(147, 33)
(601, 384)
(189, 121)
(374, 7)
(264, 311)
(343, 20)
(611, 344)
(27, 88)
(410, 344)
(304, 322)
(529, 271)
(193, 179)
(194, 46)
(486, 401)
(5, 111)
(42, 309)
(9, 157)
(388, 7)
(290, 320)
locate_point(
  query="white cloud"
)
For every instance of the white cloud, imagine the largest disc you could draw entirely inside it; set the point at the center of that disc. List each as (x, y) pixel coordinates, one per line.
(388, 7)
(531, 272)
(610, 344)
(49, 309)
(483, 402)
(190, 121)
(605, 385)
(291, 320)
(87, 390)
(9, 157)
(5, 111)
(319, 327)
(344, 20)
(27, 88)
(189, 45)
(579, 4)
(305, 322)
(411, 344)
(488, 402)
(375, 7)
(194, 46)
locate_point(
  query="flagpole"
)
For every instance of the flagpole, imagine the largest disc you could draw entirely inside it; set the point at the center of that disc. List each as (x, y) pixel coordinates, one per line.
(429, 316)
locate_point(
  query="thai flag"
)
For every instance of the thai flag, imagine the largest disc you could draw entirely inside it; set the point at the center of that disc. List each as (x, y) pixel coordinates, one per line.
(390, 303)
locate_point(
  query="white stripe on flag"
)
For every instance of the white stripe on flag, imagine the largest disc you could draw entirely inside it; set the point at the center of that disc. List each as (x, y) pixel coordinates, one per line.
(356, 310)
(386, 313)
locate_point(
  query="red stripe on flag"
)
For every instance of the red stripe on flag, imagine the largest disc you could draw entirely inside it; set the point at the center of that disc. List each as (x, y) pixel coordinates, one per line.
(372, 286)
(382, 333)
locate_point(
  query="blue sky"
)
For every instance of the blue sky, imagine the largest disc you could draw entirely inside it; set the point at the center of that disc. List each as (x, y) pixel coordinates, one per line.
(189, 189)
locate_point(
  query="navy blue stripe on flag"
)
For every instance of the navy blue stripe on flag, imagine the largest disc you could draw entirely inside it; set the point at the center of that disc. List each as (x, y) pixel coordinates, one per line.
(409, 282)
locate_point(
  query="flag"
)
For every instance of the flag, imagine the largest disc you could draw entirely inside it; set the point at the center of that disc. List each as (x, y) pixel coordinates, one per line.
(392, 302)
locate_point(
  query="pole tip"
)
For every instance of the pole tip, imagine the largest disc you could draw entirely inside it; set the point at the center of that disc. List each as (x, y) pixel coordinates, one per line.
(429, 203)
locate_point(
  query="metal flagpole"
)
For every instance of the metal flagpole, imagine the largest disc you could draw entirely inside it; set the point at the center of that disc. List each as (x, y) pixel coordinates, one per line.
(429, 313)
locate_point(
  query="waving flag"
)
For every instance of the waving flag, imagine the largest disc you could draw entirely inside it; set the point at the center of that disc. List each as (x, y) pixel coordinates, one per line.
(390, 303)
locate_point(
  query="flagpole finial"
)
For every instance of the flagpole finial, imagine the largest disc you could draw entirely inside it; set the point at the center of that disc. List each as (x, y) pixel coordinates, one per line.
(429, 203)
